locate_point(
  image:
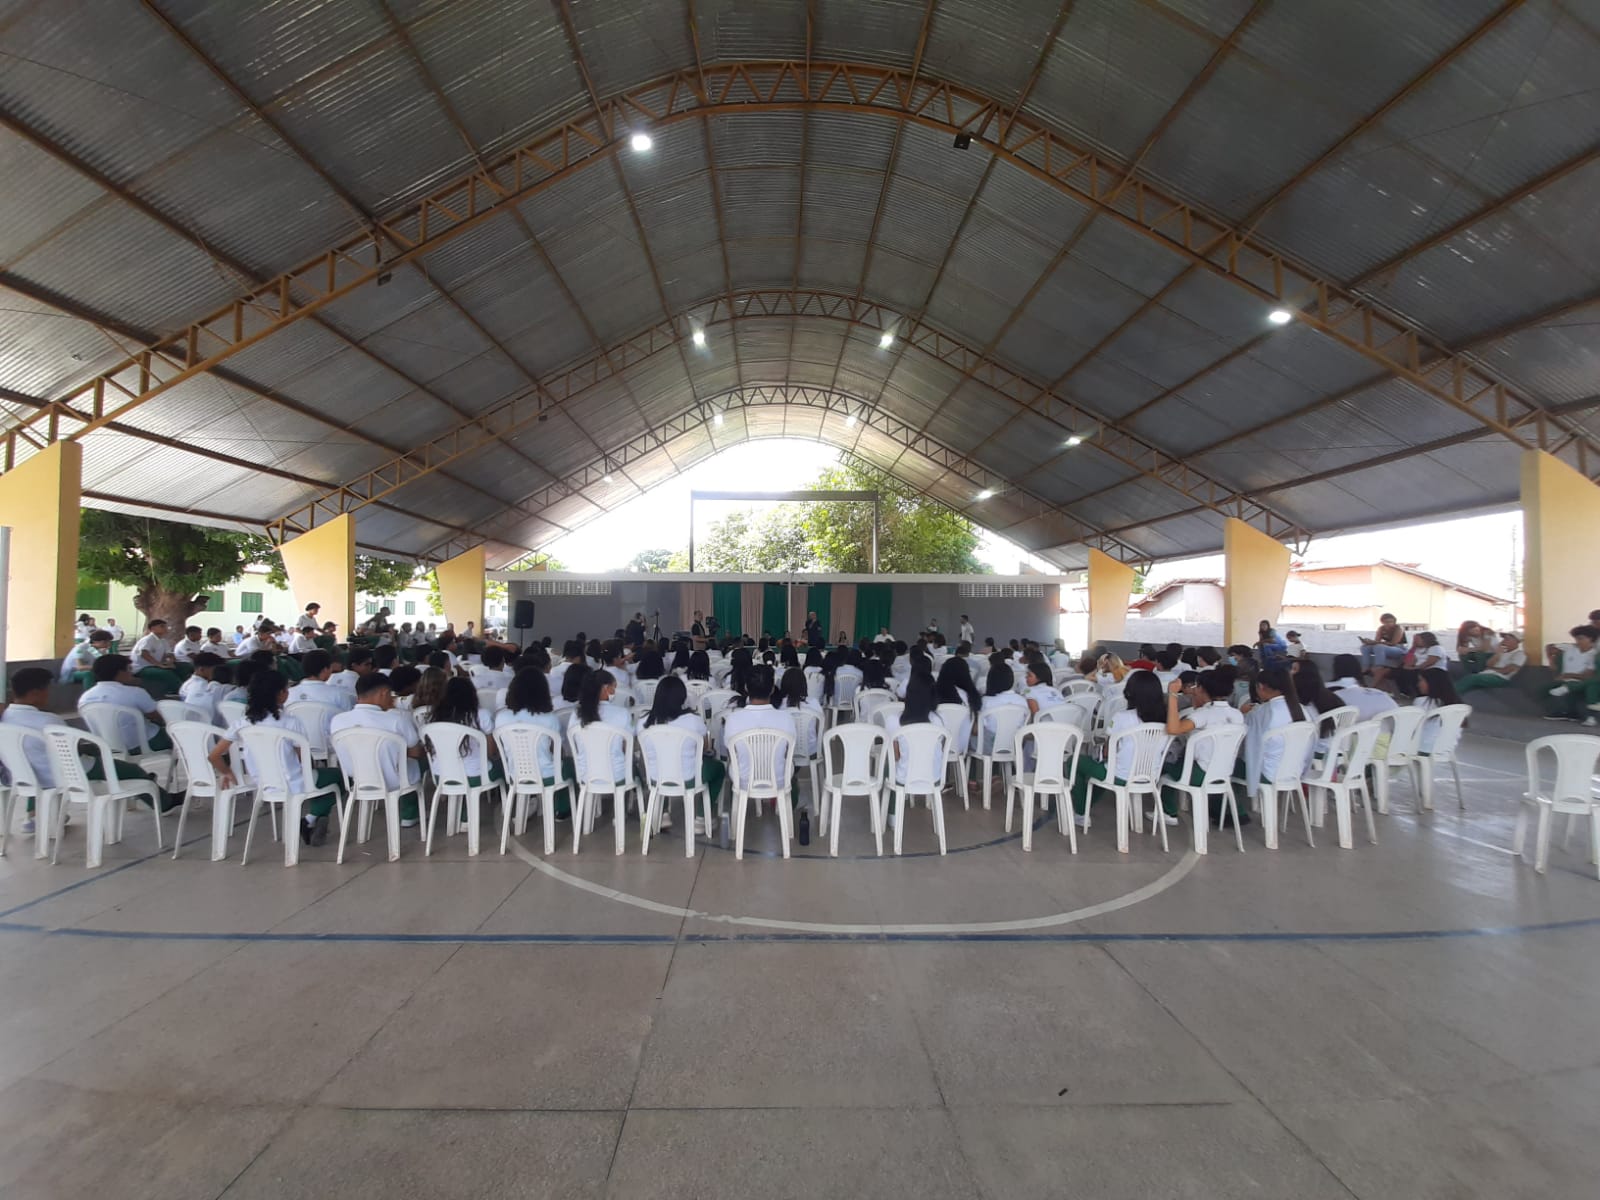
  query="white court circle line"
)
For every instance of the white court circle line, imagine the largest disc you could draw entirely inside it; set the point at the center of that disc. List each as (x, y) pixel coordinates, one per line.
(1154, 888)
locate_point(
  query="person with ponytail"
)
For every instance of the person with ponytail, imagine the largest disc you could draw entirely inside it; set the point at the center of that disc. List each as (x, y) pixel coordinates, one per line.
(1278, 704)
(793, 695)
(267, 694)
(594, 705)
(955, 686)
(670, 706)
(1146, 706)
(528, 703)
(459, 706)
(1435, 689)
(1208, 708)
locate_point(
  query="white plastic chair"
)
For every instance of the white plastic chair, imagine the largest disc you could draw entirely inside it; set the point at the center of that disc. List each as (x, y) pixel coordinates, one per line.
(1343, 776)
(844, 697)
(1224, 742)
(360, 752)
(754, 774)
(193, 741)
(448, 747)
(109, 723)
(1404, 726)
(106, 800)
(716, 700)
(1446, 741)
(924, 750)
(1087, 703)
(314, 717)
(1288, 781)
(854, 760)
(1001, 753)
(266, 745)
(697, 689)
(489, 699)
(868, 700)
(957, 718)
(1055, 747)
(173, 711)
(808, 732)
(1111, 704)
(230, 712)
(668, 781)
(880, 713)
(1571, 791)
(25, 785)
(1150, 744)
(645, 691)
(597, 740)
(522, 747)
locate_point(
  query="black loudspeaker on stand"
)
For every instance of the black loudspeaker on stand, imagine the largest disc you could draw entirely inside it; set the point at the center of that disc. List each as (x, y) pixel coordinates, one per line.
(522, 618)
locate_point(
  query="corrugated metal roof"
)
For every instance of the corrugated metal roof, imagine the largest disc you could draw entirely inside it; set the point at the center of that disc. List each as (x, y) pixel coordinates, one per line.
(132, 101)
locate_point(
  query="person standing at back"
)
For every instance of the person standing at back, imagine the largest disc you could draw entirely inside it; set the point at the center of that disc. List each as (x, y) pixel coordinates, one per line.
(968, 634)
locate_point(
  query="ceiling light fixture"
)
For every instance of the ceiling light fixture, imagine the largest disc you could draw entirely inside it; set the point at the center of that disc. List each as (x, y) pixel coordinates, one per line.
(986, 494)
(608, 479)
(717, 420)
(886, 340)
(1280, 316)
(1075, 440)
(641, 142)
(850, 421)
(699, 338)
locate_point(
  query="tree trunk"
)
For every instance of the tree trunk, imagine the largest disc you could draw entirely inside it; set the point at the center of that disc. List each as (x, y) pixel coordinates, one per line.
(175, 608)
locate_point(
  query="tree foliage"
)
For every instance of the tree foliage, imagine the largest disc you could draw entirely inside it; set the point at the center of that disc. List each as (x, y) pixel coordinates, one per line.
(916, 535)
(165, 562)
(650, 561)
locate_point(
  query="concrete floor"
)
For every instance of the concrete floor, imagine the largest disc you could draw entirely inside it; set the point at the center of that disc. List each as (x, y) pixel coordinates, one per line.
(1417, 1019)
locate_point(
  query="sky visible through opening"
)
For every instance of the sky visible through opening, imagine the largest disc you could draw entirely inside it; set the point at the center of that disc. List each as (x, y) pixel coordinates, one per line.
(1479, 551)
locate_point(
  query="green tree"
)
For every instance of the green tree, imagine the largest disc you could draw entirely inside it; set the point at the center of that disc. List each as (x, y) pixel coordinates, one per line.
(769, 542)
(916, 535)
(165, 562)
(650, 561)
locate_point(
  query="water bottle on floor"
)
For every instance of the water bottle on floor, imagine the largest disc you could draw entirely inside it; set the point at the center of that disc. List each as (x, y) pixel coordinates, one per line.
(724, 834)
(805, 827)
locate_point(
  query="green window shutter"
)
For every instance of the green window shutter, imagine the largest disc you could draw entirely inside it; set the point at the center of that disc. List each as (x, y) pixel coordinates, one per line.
(250, 602)
(93, 596)
(214, 601)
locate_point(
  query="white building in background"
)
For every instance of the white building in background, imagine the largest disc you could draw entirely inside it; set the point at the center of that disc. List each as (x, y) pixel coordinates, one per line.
(248, 597)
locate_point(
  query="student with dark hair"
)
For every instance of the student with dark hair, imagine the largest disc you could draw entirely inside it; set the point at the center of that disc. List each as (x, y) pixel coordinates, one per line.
(1369, 702)
(1041, 691)
(201, 689)
(114, 684)
(375, 709)
(652, 666)
(1278, 705)
(1146, 706)
(874, 675)
(1208, 709)
(316, 686)
(459, 706)
(1577, 685)
(428, 693)
(670, 706)
(528, 703)
(572, 681)
(998, 694)
(403, 682)
(758, 713)
(594, 705)
(1435, 689)
(955, 686)
(1314, 695)
(268, 693)
(794, 693)
(699, 667)
(919, 710)
(1208, 656)
(30, 709)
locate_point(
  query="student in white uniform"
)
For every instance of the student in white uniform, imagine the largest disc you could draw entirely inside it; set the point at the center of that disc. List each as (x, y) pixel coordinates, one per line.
(758, 713)
(1146, 706)
(1435, 690)
(117, 636)
(302, 641)
(78, 665)
(114, 685)
(307, 622)
(1294, 649)
(1041, 691)
(1427, 654)
(1209, 708)
(966, 633)
(374, 709)
(1370, 703)
(267, 694)
(84, 627)
(670, 707)
(919, 710)
(794, 694)
(1279, 705)
(459, 706)
(317, 688)
(595, 705)
(528, 703)
(1508, 659)
(152, 659)
(191, 643)
(490, 670)
(358, 663)
(29, 709)
(200, 689)
(999, 692)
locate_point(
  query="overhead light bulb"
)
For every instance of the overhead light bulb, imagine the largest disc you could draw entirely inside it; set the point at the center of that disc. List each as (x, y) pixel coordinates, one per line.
(986, 494)
(717, 420)
(608, 479)
(886, 340)
(1280, 316)
(699, 338)
(1075, 440)
(850, 421)
(641, 142)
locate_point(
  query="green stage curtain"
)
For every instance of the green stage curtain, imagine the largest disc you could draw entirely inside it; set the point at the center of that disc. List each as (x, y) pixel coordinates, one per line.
(774, 609)
(725, 607)
(819, 599)
(872, 608)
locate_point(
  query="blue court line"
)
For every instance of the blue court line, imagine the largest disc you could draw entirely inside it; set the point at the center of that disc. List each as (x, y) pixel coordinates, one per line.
(667, 939)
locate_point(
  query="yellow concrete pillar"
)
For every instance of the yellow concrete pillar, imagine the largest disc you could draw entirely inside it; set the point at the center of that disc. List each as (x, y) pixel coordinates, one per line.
(39, 502)
(322, 570)
(1110, 585)
(1560, 512)
(1257, 567)
(461, 588)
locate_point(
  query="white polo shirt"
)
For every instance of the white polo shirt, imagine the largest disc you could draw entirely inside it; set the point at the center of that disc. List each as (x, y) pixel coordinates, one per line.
(291, 759)
(757, 716)
(301, 643)
(80, 658)
(316, 691)
(248, 646)
(305, 622)
(1369, 703)
(155, 646)
(370, 716)
(1210, 716)
(618, 718)
(127, 694)
(990, 705)
(30, 717)
(1575, 661)
(688, 722)
(185, 650)
(201, 693)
